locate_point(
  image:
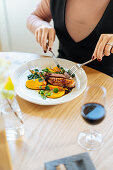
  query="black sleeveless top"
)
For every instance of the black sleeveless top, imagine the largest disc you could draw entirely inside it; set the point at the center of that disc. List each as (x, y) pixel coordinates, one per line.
(82, 51)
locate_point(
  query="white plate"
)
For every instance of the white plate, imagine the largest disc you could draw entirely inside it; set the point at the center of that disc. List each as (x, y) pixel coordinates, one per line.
(20, 76)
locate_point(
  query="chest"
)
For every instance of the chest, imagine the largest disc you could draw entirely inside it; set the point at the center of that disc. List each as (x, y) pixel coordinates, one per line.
(82, 16)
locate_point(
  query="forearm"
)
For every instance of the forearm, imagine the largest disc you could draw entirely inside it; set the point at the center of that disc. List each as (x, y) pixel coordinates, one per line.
(41, 16)
(34, 22)
(39, 23)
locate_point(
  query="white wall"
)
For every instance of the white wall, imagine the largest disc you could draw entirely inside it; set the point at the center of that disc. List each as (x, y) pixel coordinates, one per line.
(13, 32)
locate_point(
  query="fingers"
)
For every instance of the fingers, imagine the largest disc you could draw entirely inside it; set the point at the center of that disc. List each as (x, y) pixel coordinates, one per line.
(102, 48)
(94, 56)
(38, 35)
(45, 37)
(51, 38)
(108, 47)
(112, 50)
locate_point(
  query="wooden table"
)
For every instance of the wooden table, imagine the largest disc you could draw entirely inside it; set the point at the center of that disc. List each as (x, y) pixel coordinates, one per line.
(51, 131)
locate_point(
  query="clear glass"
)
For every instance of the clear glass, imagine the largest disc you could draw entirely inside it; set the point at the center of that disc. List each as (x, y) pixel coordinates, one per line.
(9, 108)
(12, 117)
(93, 112)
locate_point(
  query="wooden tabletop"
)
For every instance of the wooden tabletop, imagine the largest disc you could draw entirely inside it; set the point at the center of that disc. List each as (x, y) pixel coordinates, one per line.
(51, 131)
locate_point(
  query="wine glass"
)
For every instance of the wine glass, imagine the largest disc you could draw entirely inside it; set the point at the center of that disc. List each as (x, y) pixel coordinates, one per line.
(93, 112)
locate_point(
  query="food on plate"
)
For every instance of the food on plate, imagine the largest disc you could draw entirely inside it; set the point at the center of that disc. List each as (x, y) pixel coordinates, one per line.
(36, 83)
(50, 82)
(61, 82)
(56, 95)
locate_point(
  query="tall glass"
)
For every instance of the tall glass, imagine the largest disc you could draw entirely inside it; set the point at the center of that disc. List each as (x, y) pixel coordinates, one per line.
(93, 112)
(12, 116)
(9, 107)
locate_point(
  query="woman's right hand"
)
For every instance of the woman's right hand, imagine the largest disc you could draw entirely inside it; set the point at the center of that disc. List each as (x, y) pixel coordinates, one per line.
(45, 36)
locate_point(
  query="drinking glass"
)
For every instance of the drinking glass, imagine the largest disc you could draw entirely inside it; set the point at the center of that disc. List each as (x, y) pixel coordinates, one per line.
(9, 107)
(12, 116)
(93, 112)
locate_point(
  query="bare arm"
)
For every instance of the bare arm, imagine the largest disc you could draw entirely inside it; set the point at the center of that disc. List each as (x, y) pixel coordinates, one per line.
(40, 16)
(38, 23)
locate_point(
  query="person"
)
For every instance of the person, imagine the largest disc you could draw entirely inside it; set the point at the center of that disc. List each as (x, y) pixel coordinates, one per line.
(84, 29)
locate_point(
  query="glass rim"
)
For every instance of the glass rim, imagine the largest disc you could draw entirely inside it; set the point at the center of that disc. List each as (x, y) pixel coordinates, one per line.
(100, 87)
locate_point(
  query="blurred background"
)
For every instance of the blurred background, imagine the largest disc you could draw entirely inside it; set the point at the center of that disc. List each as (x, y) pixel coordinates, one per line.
(14, 35)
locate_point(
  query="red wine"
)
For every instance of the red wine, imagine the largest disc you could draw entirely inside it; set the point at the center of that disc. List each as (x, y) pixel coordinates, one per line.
(93, 113)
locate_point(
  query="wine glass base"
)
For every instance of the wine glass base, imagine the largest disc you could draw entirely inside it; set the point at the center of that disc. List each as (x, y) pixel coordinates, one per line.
(90, 140)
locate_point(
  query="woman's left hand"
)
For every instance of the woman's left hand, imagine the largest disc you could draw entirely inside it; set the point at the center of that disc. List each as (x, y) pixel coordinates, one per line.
(104, 46)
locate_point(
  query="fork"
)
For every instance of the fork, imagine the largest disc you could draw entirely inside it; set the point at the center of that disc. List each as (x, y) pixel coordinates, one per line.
(76, 67)
(54, 58)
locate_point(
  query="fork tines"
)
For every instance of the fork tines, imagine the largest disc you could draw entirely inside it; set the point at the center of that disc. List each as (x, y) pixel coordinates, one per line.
(73, 69)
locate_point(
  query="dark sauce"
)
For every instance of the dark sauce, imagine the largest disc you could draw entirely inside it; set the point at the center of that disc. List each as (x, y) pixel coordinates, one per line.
(93, 113)
(68, 91)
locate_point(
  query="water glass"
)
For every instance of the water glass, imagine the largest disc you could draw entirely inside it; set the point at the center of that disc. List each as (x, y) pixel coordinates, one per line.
(12, 117)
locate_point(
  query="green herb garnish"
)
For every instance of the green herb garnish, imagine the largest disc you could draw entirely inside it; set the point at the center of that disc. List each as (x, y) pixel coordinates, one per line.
(46, 70)
(42, 73)
(55, 90)
(44, 97)
(30, 77)
(68, 72)
(40, 87)
(34, 75)
(73, 75)
(47, 87)
(40, 79)
(41, 92)
(62, 70)
(36, 70)
(49, 93)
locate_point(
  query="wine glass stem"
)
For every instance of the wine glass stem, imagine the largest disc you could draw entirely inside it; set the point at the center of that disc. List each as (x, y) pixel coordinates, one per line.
(90, 137)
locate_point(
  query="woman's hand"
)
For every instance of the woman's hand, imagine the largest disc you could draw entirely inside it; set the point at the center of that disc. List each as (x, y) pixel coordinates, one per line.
(45, 36)
(104, 46)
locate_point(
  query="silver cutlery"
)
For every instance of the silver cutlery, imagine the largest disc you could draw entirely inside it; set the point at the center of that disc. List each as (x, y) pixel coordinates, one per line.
(54, 58)
(76, 67)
